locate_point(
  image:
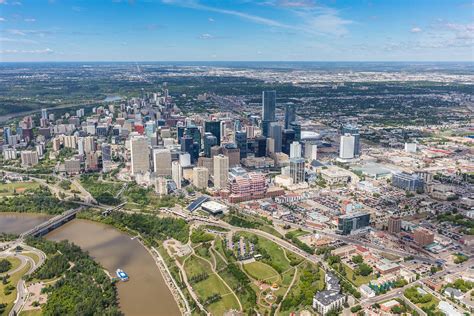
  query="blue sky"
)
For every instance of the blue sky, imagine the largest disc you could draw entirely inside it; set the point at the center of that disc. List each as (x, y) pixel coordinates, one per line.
(195, 30)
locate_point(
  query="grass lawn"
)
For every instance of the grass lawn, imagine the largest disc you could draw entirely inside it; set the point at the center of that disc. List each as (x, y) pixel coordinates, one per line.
(220, 264)
(33, 312)
(10, 298)
(226, 303)
(194, 266)
(8, 189)
(359, 279)
(261, 271)
(278, 259)
(15, 263)
(32, 256)
(271, 230)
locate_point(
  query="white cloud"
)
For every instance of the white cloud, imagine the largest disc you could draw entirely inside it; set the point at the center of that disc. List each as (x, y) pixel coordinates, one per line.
(2, 19)
(30, 20)
(416, 30)
(315, 20)
(206, 36)
(17, 40)
(3, 2)
(211, 20)
(35, 51)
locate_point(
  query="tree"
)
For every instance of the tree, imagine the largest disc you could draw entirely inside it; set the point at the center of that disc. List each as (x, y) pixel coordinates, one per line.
(357, 259)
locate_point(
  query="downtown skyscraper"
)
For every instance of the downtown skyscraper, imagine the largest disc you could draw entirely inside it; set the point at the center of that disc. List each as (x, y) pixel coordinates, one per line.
(268, 110)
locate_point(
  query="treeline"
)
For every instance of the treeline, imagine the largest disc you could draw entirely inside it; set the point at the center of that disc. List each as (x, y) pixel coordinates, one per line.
(85, 289)
(53, 267)
(38, 200)
(148, 226)
(307, 287)
(293, 237)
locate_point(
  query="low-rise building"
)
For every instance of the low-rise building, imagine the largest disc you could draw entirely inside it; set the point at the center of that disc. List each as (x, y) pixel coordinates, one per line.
(331, 298)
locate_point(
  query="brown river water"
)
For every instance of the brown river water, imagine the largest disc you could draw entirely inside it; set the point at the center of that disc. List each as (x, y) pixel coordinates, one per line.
(144, 294)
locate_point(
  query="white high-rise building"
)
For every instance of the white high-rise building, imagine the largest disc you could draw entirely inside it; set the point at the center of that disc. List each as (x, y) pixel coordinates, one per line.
(9, 154)
(311, 151)
(89, 144)
(177, 173)
(140, 154)
(346, 150)
(40, 150)
(70, 141)
(221, 171)
(162, 162)
(295, 150)
(80, 146)
(200, 177)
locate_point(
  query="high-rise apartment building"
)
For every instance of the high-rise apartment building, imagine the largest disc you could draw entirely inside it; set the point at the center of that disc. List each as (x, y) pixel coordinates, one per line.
(394, 224)
(295, 150)
(354, 131)
(423, 236)
(29, 158)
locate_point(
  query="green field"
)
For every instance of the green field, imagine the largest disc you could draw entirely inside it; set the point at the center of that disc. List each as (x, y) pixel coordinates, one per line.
(261, 271)
(13, 280)
(212, 285)
(15, 263)
(8, 189)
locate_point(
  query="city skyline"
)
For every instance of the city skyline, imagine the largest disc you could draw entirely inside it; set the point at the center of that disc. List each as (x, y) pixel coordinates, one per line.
(274, 30)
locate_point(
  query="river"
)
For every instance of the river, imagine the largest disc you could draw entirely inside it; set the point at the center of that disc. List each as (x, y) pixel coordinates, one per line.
(146, 293)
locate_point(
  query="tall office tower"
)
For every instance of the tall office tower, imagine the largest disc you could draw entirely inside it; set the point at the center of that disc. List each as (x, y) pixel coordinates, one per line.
(268, 110)
(29, 158)
(223, 131)
(106, 152)
(295, 150)
(140, 154)
(221, 171)
(209, 141)
(180, 132)
(193, 132)
(346, 149)
(44, 114)
(162, 162)
(7, 132)
(297, 170)
(288, 137)
(177, 173)
(241, 141)
(233, 152)
(290, 114)
(150, 128)
(261, 148)
(354, 131)
(311, 151)
(237, 126)
(276, 134)
(89, 144)
(250, 130)
(297, 128)
(200, 177)
(213, 127)
(394, 224)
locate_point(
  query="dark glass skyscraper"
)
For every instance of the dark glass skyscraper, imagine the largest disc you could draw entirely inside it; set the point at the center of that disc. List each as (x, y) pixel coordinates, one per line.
(209, 141)
(276, 133)
(290, 114)
(241, 142)
(287, 139)
(268, 110)
(214, 127)
(297, 128)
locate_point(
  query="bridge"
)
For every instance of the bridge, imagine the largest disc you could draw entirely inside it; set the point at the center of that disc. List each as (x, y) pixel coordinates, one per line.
(53, 223)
